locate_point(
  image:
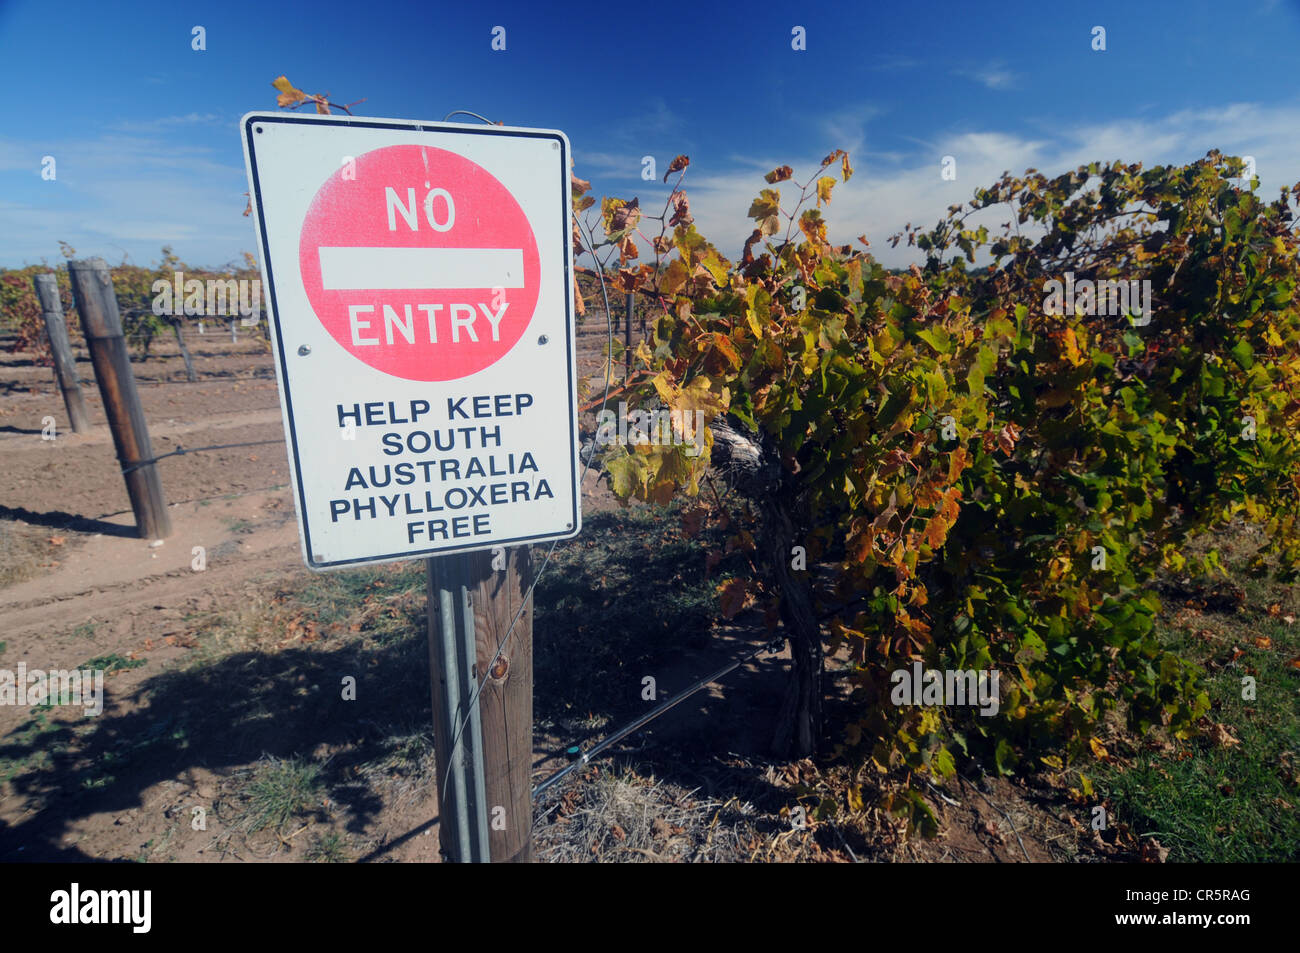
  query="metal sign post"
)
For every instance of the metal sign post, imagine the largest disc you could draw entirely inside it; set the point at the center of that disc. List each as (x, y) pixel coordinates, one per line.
(457, 724)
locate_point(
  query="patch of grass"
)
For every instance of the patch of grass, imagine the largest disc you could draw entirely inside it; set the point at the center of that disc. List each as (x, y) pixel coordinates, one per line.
(35, 734)
(169, 733)
(86, 630)
(379, 599)
(327, 849)
(405, 755)
(378, 606)
(113, 662)
(1232, 795)
(278, 791)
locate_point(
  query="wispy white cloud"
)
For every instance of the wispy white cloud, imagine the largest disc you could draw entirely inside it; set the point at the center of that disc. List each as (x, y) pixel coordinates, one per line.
(993, 76)
(606, 164)
(167, 123)
(658, 118)
(118, 193)
(138, 191)
(847, 128)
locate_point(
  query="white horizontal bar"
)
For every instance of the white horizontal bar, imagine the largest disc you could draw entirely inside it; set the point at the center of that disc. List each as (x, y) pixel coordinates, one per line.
(420, 269)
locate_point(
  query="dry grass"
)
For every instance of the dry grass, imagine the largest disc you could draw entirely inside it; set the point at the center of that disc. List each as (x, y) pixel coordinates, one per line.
(618, 815)
(615, 815)
(264, 801)
(23, 550)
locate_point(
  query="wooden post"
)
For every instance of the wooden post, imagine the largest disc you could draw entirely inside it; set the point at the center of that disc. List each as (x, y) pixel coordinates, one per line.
(486, 787)
(92, 289)
(507, 701)
(65, 366)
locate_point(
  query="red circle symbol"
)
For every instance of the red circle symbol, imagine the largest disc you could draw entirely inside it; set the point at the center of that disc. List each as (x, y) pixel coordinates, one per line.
(420, 263)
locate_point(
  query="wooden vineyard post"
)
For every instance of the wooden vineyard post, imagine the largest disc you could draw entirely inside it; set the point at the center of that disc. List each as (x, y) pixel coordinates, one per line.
(484, 779)
(92, 290)
(65, 366)
(507, 700)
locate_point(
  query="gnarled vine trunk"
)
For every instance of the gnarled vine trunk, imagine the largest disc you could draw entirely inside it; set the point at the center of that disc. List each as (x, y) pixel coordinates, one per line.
(799, 723)
(753, 466)
(190, 375)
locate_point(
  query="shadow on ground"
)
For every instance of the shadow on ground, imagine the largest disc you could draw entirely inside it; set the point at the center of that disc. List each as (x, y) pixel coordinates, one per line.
(627, 601)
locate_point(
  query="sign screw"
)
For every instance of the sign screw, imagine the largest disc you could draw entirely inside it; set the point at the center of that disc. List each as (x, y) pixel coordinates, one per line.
(543, 339)
(303, 350)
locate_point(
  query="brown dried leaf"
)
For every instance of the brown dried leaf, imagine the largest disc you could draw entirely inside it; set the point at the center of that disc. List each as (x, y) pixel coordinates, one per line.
(1221, 736)
(628, 278)
(681, 212)
(626, 216)
(1007, 438)
(1153, 853)
(677, 165)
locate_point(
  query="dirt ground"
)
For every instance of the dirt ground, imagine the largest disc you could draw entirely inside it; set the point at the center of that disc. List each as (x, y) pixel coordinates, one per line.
(95, 590)
(77, 584)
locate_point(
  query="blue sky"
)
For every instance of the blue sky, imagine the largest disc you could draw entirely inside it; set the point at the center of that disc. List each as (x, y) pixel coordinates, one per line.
(144, 129)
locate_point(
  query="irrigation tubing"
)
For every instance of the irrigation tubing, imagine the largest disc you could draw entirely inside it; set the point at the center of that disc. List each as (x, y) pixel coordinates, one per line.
(665, 706)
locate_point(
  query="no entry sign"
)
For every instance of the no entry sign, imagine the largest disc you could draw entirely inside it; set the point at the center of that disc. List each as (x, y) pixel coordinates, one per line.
(420, 285)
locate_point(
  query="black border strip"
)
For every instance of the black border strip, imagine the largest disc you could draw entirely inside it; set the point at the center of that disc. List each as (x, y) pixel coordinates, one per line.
(409, 126)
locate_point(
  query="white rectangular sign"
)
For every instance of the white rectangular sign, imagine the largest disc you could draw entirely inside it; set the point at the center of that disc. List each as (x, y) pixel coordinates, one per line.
(420, 287)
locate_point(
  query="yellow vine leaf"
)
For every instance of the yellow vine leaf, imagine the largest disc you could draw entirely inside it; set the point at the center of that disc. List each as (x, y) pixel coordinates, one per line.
(289, 95)
(824, 186)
